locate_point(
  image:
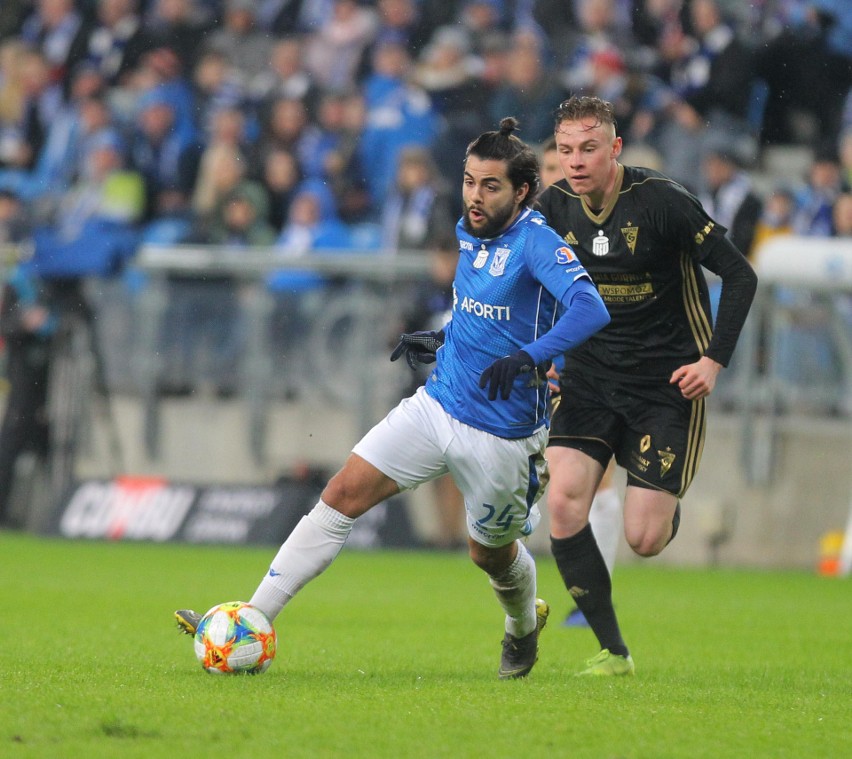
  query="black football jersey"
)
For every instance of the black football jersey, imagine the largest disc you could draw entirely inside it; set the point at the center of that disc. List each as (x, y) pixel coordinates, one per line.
(644, 252)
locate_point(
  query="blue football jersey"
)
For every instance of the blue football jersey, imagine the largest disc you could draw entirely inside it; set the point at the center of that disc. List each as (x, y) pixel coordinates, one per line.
(507, 293)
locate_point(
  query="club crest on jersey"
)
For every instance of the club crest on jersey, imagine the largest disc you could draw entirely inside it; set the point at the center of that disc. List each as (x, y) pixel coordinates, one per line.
(600, 245)
(498, 265)
(630, 236)
(666, 460)
(565, 256)
(481, 258)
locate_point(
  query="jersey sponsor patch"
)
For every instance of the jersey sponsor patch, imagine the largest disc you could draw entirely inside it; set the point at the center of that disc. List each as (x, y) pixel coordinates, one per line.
(600, 244)
(485, 310)
(564, 256)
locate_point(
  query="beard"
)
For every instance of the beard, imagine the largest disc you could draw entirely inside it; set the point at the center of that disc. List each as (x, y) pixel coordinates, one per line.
(493, 223)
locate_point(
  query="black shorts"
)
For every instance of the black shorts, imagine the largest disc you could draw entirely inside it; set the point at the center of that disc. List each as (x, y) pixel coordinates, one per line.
(651, 429)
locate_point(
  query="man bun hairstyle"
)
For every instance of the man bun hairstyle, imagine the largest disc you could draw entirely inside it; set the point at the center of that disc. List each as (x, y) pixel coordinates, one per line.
(521, 160)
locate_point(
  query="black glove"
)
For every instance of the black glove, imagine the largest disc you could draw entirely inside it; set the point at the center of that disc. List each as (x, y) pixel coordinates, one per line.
(503, 373)
(418, 347)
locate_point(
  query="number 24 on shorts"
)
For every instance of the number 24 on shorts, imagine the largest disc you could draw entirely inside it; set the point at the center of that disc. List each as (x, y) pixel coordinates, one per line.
(503, 520)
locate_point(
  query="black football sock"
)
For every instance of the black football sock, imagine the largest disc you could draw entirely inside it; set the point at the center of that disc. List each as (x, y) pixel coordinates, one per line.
(675, 523)
(584, 573)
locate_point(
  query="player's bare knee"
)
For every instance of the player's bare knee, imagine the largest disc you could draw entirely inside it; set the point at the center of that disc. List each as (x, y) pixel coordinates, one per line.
(492, 561)
(567, 515)
(647, 544)
(357, 487)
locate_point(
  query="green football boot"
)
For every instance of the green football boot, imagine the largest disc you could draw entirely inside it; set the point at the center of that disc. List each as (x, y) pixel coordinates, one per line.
(606, 664)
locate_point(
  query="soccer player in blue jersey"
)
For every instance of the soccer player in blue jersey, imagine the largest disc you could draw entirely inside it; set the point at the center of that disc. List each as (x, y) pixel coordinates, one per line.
(520, 298)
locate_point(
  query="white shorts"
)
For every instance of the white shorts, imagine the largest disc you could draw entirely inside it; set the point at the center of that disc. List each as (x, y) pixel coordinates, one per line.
(501, 479)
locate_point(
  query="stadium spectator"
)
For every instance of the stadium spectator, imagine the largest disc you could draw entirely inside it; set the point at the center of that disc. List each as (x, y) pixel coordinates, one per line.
(807, 77)
(280, 174)
(530, 89)
(116, 42)
(332, 154)
(708, 95)
(644, 240)
(480, 19)
(230, 125)
(280, 17)
(285, 125)
(417, 205)
(58, 31)
(598, 33)
(815, 199)
(34, 101)
(313, 224)
(166, 158)
(776, 218)
(246, 46)
(326, 135)
(449, 73)
(215, 86)
(842, 215)
(404, 19)
(94, 228)
(286, 78)
(493, 446)
(333, 53)
(652, 21)
(14, 13)
(493, 55)
(730, 197)
(179, 25)
(240, 220)
(58, 160)
(14, 151)
(398, 113)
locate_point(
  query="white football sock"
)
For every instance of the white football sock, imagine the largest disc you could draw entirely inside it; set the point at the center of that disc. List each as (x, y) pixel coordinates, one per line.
(307, 552)
(605, 518)
(515, 589)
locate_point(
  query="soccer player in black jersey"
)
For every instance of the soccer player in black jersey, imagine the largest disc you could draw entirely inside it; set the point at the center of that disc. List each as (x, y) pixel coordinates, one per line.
(636, 390)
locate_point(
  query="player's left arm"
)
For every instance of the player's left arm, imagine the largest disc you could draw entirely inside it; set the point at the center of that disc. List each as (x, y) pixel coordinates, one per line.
(585, 314)
(739, 284)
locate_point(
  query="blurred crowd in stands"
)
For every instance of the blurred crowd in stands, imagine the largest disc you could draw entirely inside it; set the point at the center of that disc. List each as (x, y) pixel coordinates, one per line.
(341, 125)
(337, 124)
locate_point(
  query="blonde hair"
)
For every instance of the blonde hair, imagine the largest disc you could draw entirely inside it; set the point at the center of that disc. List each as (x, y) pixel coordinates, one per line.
(12, 95)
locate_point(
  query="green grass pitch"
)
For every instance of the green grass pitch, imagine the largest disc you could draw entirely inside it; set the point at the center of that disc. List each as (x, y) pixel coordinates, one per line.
(395, 655)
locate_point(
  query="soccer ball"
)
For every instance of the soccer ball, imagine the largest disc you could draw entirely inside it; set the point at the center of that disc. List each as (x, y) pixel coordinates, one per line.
(235, 638)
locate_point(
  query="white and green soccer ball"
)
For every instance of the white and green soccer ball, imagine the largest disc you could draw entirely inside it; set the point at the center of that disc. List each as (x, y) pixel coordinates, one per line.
(235, 638)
